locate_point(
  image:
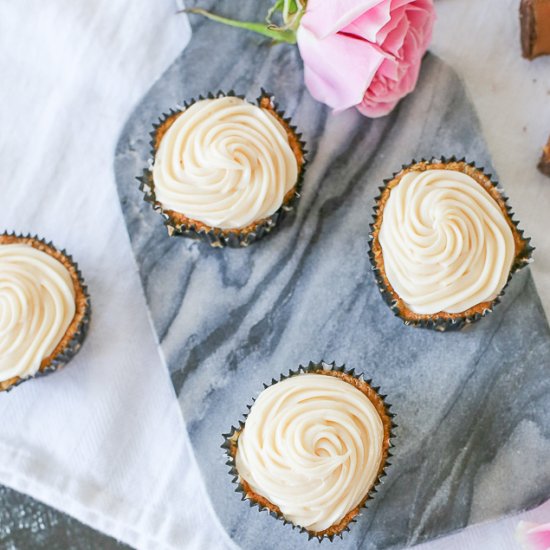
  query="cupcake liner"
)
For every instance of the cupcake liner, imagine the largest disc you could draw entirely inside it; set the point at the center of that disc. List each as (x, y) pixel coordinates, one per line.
(74, 344)
(231, 442)
(216, 237)
(443, 321)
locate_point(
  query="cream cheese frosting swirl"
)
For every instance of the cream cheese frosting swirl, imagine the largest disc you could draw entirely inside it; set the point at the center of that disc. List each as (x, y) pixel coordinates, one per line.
(312, 445)
(446, 244)
(37, 305)
(224, 162)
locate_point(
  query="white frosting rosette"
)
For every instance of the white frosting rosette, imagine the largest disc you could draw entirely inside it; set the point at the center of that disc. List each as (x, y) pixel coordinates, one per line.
(444, 244)
(313, 447)
(224, 170)
(44, 309)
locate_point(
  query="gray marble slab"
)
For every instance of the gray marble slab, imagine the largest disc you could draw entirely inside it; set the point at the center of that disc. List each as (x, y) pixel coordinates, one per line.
(473, 408)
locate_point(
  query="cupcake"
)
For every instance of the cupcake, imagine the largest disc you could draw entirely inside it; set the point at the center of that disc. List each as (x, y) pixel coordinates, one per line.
(312, 448)
(224, 170)
(444, 244)
(44, 309)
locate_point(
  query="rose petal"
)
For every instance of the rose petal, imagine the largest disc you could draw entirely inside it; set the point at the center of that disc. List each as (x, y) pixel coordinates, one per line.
(377, 109)
(394, 39)
(339, 68)
(424, 7)
(422, 21)
(369, 24)
(384, 93)
(364, 52)
(325, 17)
(396, 4)
(533, 536)
(389, 70)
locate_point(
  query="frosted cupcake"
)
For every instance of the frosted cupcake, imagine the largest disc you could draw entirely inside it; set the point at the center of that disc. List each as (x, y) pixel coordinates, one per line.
(313, 448)
(224, 170)
(444, 244)
(44, 309)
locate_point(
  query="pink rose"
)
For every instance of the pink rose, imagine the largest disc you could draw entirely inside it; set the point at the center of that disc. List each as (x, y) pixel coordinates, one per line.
(364, 53)
(533, 536)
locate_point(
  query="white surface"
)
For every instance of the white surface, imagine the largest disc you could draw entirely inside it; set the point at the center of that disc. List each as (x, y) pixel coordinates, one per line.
(103, 440)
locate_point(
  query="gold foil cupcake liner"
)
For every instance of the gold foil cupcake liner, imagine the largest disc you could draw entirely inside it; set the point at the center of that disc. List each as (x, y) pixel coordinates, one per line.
(77, 339)
(441, 321)
(216, 237)
(230, 445)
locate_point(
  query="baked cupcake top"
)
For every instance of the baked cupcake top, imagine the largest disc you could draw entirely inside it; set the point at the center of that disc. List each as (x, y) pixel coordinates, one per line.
(224, 162)
(313, 445)
(38, 304)
(447, 244)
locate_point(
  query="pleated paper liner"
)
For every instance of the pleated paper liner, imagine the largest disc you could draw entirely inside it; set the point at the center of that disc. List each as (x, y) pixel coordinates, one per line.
(230, 445)
(178, 224)
(76, 333)
(442, 321)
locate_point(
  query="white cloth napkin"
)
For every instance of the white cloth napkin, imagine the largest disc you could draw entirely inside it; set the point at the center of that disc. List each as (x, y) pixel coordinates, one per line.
(103, 440)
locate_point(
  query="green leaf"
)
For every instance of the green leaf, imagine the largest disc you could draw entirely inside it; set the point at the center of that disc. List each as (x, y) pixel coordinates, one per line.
(278, 6)
(292, 6)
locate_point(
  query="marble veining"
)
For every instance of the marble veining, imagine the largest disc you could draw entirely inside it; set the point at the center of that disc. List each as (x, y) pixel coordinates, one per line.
(473, 408)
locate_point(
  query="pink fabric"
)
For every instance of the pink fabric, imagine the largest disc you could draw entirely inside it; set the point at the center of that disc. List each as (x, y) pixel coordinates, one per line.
(364, 53)
(533, 536)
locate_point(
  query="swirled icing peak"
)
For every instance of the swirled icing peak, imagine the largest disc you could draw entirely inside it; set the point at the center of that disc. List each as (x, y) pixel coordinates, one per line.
(37, 305)
(312, 445)
(447, 245)
(224, 162)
